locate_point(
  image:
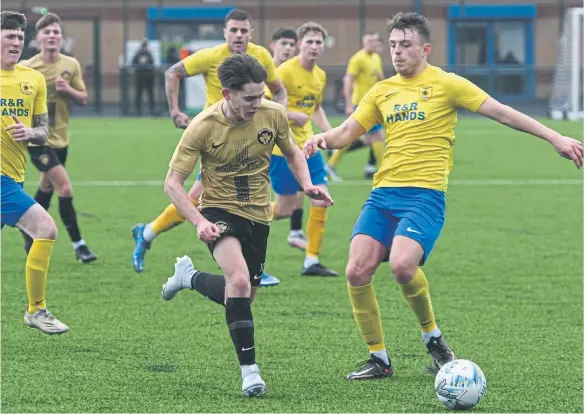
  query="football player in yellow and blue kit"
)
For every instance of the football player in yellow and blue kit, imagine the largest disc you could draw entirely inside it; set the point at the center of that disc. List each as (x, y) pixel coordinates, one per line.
(364, 70)
(205, 62)
(25, 120)
(305, 83)
(405, 211)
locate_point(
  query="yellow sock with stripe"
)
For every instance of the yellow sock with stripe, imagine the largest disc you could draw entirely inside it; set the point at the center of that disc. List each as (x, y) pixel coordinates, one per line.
(169, 218)
(336, 157)
(315, 230)
(417, 294)
(378, 148)
(368, 319)
(37, 267)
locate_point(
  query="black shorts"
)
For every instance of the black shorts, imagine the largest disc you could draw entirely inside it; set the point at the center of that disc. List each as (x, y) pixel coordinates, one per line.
(253, 237)
(44, 157)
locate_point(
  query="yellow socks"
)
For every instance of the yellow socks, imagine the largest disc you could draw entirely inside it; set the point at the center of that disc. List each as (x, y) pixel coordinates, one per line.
(367, 316)
(37, 266)
(315, 230)
(336, 157)
(417, 294)
(378, 148)
(169, 218)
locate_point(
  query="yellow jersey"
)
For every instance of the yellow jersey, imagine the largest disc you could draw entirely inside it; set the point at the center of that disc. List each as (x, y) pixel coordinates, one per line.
(206, 61)
(24, 95)
(57, 104)
(305, 93)
(365, 68)
(419, 116)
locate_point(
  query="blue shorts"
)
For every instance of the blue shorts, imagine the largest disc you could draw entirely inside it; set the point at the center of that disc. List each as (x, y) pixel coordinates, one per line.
(14, 201)
(416, 213)
(284, 183)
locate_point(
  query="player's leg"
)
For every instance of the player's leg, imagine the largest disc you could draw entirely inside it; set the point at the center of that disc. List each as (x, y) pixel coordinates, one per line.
(144, 234)
(315, 226)
(297, 238)
(370, 242)
(421, 217)
(20, 210)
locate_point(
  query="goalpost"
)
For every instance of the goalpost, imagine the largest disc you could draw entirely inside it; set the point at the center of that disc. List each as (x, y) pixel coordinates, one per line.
(567, 100)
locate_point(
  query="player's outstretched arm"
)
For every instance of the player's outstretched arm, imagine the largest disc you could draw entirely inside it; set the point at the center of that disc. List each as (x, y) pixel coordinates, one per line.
(567, 147)
(174, 188)
(338, 137)
(172, 78)
(37, 135)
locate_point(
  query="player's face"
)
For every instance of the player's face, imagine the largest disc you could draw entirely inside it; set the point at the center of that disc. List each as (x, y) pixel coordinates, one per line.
(50, 38)
(370, 43)
(408, 50)
(237, 34)
(12, 45)
(284, 48)
(245, 103)
(312, 46)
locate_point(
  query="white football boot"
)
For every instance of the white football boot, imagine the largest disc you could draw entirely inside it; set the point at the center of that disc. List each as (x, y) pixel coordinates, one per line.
(44, 321)
(183, 273)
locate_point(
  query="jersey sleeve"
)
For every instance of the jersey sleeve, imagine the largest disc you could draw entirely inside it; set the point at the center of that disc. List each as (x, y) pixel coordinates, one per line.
(284, 138)
(199, 62)
(353, 66)
(464, 93)
(269, 65)
(40, 102)
(77, 78)
(367, 113)
(187, 153)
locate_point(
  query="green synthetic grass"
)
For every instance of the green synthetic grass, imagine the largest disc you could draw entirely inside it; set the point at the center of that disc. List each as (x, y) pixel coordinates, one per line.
(505, 276)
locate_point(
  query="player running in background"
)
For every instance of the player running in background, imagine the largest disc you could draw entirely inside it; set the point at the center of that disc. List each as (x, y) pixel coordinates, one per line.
(305, 83)
(404, 214)
(234, 139)
(365, 69)
(64, 83)
(25, 120)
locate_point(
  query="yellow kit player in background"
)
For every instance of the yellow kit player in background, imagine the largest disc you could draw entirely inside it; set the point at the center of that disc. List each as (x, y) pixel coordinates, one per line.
(404, 214)
(305, 83)
(234, 139)
(64, 83)
(25, 120)
(205, 62)
(364, 70)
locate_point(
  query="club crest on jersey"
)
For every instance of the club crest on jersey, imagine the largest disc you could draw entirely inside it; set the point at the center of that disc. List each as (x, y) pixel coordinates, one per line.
(66, 75)
(222, 226)
(265, 136)
(25, 88)
(44, 159)
(425, 93)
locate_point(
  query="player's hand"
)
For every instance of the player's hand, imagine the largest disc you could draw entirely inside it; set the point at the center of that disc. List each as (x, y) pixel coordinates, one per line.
(569, 148)
(349, 109)
(62, 85)
(180, 120)
(20, 132)
(207, 231)
(299, 118)
(313, 144)
(319, 193)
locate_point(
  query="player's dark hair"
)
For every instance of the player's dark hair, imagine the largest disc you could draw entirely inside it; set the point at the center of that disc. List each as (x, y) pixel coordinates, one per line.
(240, 69)
(412, 21)
(284, 33)
(239, 15)
(12, 20)
(311, 27)
(48, 20)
